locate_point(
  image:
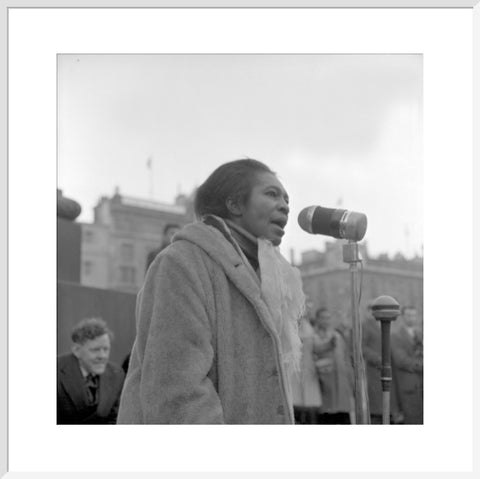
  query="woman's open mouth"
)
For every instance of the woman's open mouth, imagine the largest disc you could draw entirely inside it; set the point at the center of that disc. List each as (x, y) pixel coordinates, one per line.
(279, 225)
(280, 222)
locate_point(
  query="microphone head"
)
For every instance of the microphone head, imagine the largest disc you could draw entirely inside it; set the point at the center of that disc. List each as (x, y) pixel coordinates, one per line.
(339, 223)
(316, 220)
(355, 226)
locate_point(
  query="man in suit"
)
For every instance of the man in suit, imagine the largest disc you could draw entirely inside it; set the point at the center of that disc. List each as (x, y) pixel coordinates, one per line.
(169, 231)
(88, 385)
(407, 357)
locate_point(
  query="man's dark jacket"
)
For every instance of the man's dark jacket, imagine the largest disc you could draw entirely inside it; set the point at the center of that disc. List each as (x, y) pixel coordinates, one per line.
(72, 402)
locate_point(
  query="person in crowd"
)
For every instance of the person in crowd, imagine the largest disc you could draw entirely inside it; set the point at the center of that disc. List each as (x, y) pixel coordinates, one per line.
(217, 317)
(344, 326)
(335, 371)
(372, 354)
(407, 356)
(88, 385)
(169, 231)
(307, 397)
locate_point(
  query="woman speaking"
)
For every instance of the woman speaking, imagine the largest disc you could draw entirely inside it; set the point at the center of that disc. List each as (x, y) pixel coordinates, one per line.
(217, 317)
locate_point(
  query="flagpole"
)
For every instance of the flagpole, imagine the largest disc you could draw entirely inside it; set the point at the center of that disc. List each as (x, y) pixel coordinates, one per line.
(150, 168)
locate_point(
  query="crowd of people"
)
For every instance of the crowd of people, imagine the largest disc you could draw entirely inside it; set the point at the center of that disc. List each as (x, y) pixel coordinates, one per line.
(222, 334)
(89, 385)
(325, 388)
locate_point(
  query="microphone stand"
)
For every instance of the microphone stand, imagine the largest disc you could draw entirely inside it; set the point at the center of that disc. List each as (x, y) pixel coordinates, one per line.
(385, 309)
(362, 414)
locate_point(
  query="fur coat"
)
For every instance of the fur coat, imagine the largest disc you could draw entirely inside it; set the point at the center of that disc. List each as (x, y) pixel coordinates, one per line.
(206, 351)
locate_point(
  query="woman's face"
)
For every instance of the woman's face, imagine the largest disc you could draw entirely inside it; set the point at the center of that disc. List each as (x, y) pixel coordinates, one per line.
(265, 213)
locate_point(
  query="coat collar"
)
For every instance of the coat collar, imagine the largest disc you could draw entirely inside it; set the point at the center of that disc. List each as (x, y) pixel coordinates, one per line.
(218, 243)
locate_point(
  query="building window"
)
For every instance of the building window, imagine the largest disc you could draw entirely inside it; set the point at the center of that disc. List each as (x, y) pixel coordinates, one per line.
(87, 268)
(126, 251)
(127, 274)
(88, 236)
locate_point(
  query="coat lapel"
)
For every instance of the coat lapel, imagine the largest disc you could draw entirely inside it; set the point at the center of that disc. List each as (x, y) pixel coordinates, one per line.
(72, 379)
(240, 272)
(105, 387)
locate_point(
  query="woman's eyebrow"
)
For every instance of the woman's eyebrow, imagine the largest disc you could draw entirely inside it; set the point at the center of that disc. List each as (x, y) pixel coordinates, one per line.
(279, 190)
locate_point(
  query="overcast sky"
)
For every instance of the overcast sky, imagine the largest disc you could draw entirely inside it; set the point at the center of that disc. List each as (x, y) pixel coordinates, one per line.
(340, 130)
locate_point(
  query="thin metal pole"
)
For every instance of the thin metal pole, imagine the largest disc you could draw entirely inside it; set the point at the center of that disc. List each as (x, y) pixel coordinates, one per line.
(386, 407)
(362, 415)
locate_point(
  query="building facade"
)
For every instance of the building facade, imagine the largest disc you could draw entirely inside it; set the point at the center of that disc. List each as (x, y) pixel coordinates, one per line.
(114, 248)
(327, 280)
(76, 301)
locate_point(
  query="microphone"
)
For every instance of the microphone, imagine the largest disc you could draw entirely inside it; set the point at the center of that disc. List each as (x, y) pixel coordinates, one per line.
(342, 224)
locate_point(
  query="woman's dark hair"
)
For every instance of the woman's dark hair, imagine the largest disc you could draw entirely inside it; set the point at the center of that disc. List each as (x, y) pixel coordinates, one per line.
(233, 180)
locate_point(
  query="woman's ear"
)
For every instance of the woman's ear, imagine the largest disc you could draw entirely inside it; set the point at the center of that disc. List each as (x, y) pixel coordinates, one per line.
(233, 206)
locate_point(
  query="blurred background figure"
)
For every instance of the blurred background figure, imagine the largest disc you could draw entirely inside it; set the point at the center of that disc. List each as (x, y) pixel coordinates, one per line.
(343, 324)
(372, 354)
(307, 397)
(407, 357)
(335, 371)
(88, 385)
(168, 233)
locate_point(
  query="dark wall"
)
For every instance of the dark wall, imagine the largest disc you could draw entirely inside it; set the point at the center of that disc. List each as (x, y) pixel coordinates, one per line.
(75, 302)
(69, 237)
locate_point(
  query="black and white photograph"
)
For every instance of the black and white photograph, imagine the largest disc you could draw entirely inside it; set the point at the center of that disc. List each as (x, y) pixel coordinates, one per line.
(254, 218)
(267, 155)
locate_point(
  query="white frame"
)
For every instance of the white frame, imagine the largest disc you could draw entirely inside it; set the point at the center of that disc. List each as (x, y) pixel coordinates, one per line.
(475, 9)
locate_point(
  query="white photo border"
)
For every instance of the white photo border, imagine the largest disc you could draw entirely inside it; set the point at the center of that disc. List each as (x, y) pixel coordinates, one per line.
(15, 194)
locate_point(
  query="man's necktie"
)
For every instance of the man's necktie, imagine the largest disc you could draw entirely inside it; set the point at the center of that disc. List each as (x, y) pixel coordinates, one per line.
(92, 386)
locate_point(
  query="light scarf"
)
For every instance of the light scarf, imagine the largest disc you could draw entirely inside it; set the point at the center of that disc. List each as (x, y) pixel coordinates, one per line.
(282, 292)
